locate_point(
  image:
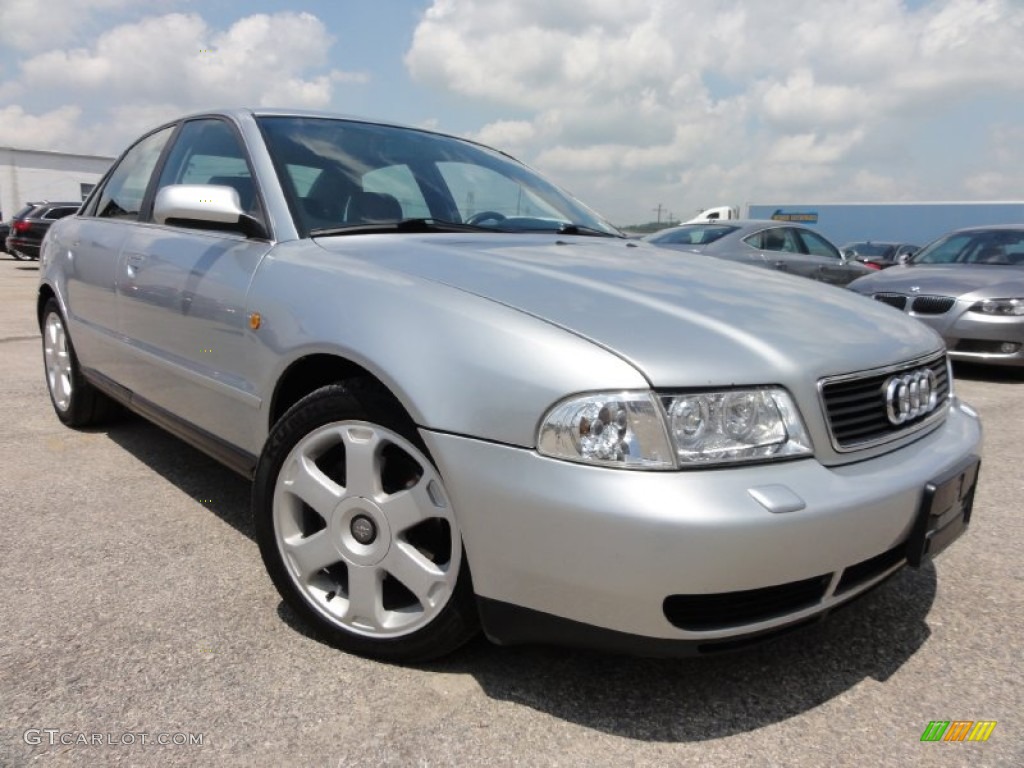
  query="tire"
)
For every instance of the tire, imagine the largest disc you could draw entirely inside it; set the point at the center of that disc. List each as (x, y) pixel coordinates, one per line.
(356, 530)
(75, 401)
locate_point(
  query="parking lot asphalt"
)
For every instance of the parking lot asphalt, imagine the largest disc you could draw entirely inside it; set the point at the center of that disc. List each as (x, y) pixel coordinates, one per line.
(135, 609)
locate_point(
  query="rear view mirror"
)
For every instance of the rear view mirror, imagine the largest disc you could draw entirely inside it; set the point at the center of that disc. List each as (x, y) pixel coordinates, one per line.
(204, 206)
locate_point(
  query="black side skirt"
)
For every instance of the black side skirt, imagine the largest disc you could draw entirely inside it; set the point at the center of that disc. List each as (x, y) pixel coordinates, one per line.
(234, 458)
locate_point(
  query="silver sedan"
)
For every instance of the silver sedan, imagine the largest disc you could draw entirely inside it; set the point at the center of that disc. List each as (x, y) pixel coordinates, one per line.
(466, 401)
(785, 247)
(969, 287)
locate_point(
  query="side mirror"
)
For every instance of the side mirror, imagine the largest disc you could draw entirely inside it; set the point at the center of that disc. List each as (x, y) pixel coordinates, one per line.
(205, 206)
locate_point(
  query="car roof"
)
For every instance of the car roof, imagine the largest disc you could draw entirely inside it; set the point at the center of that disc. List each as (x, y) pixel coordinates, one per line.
(745, 224)
(989, 228)
(238, 114)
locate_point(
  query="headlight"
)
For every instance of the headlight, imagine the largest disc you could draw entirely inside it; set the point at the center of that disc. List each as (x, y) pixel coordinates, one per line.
(735, 425)
(630, 430)
(616, 429)
(999, 307)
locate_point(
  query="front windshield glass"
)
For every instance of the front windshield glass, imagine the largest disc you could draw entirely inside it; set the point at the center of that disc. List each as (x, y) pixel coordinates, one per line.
(872, 249)
(342, 174)
(1000, 247)
(691, 234)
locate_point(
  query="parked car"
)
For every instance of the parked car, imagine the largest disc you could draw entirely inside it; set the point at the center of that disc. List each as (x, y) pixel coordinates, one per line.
(969, 287)
(465, 399)
(879, 255)
(785, 247)
(30, 224)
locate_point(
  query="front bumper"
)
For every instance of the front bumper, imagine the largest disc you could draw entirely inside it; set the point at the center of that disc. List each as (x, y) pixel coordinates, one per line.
(974, 336)
(608, 549)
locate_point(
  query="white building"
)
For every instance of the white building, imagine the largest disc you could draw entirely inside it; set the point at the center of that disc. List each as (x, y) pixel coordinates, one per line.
(27, 175)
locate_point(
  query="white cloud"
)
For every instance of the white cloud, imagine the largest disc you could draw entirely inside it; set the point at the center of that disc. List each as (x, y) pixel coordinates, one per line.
(723, 101)
(51, 129)
(178, 56)
(158, 67)
(27, 24)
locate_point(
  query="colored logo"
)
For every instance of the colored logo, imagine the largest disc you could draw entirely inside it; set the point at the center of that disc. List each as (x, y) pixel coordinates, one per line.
(804, 217)
(958, 730)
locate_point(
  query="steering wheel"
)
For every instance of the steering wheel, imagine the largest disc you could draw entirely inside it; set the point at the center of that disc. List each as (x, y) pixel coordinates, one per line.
(482, 216)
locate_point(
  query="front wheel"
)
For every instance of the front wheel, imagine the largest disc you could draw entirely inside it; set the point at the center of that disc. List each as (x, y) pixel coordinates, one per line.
(357, 532)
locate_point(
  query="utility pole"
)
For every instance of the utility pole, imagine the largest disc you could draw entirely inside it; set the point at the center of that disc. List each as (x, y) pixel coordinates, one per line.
(659, 209)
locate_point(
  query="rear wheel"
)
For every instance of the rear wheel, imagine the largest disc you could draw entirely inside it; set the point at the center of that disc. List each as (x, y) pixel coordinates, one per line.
(76, 402)
(357, 532)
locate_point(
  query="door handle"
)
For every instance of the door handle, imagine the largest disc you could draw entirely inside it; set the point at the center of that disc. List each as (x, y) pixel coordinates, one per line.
(781, 265)
(133, 262)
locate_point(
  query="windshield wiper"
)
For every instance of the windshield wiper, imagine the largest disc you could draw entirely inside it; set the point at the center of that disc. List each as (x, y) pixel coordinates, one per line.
(579, 229)
(404, 226)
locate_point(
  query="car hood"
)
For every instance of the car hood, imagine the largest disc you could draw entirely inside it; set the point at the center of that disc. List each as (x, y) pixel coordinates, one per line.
(991, 280)
(681, 320)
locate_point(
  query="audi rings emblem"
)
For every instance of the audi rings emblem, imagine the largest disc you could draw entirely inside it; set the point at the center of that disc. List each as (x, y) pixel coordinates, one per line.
(910, 395)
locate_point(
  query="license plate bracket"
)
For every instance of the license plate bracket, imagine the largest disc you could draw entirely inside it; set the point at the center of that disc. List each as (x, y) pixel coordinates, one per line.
(946, 506)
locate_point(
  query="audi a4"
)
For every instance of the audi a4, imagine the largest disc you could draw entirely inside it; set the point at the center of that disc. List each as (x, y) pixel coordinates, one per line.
(466, 401)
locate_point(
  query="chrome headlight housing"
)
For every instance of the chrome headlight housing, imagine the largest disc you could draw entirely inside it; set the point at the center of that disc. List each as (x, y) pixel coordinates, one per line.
(639, 430)
(735, 425)
(1004, 307)
(614, 429)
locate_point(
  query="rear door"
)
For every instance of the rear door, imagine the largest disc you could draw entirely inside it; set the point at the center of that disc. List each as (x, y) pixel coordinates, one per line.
(780, 248)
(831, 266)
(91, 244)
(182, 294)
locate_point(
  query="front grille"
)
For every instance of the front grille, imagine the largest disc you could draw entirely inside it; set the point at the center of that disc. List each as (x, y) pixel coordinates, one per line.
(855, 407)
(701, 613)
(897, 300)
(932, 305)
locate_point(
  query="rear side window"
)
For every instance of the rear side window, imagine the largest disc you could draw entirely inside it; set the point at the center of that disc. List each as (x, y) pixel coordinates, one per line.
(60, 213)
(817, 245)
(122, 194)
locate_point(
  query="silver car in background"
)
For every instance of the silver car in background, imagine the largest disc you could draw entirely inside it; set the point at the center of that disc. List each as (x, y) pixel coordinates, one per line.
(969, 287)
(782, 246)
(465, 400)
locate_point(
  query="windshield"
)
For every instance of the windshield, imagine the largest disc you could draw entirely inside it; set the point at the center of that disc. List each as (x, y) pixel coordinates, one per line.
(871, 249)
(691, 234)
(1001, 247)
(343, 175)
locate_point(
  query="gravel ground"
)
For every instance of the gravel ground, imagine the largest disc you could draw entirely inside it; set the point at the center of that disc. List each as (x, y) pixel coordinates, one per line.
(135, 607)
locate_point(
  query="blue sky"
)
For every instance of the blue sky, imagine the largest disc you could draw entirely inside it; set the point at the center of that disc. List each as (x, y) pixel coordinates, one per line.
(627, 103)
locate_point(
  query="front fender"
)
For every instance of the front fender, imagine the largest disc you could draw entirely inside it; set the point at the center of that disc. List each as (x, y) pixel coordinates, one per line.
(458, 362)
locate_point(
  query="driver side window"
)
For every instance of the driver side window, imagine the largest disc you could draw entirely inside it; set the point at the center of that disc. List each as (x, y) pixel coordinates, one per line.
(209, 152)
(125, 188)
